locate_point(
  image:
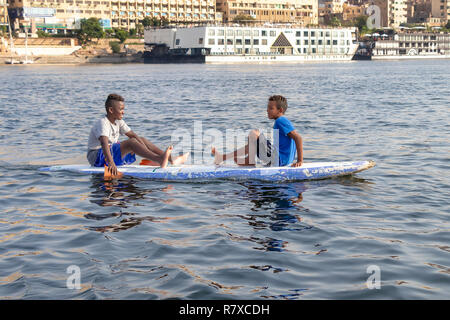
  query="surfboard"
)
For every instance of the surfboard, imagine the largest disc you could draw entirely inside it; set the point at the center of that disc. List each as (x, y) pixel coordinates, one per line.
(308, 171)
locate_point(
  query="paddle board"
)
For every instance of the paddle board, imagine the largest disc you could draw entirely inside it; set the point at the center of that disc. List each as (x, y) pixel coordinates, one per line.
(308, 171)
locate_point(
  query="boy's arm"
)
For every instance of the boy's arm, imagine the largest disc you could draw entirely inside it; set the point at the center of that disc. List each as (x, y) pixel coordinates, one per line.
(299, 144)
(109, 159)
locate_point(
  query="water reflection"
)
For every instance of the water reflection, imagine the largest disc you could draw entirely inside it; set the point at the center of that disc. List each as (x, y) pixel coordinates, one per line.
(116, 193)
(282, 201)
(119, 193)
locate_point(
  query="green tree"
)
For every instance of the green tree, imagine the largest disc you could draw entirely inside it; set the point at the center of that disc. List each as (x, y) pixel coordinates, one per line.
(132, 33)
(243, 18)
(122, 35)
(335, 22)
(147, 22)
(140, 30)
(90, 29)
(361, 22)
(109, 33)
(164, 22)
(447, 26)
(115, 46)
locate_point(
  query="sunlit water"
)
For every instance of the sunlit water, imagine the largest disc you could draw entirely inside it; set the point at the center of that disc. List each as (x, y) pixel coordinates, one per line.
(141, 239)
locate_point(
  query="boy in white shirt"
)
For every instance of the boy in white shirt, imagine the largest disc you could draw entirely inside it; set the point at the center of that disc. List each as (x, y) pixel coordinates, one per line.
(104, 146)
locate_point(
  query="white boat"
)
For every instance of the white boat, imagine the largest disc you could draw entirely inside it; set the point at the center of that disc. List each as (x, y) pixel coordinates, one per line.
(413, 45)
(237, 44)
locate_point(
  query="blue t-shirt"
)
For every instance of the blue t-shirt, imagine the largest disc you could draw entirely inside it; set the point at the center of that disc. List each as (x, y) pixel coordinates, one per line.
(287, 148)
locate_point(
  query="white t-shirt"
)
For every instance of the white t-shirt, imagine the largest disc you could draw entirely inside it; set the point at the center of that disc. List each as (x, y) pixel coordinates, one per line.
(103, 127)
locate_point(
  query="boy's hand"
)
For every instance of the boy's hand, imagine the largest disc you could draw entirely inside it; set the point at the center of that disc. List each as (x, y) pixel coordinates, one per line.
(112, 169)
(297, 164)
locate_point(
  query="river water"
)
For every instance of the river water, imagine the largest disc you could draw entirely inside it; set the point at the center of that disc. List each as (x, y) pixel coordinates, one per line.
(140, 239)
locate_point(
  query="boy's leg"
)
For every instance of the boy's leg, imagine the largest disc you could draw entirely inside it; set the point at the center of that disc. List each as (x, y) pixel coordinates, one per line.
(133, 145)
(243, 156)
(156, 150)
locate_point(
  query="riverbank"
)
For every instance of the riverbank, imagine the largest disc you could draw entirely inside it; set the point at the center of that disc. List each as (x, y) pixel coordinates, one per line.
(79, 59)
(69, 51)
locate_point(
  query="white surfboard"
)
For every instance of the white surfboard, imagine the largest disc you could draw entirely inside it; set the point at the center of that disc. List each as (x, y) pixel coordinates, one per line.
(308, 171)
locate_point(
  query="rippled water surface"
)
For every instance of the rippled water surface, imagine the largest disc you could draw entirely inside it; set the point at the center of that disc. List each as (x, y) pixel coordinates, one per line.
(141, 239)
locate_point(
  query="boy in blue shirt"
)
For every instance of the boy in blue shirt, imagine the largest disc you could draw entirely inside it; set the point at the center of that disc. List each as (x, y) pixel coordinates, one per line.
(288, 142)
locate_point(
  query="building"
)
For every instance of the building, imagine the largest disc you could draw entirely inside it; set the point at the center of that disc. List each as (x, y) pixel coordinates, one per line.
(440, 9)
(125, 14)
(352, 11)
(277, 11)
(397, 12)
(3, 13)
(393, 12)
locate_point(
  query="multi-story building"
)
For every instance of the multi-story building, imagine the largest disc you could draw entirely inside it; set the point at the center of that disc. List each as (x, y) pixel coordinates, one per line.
(397, 12)
(277, 11)
(352, 11)
(393, 12)
(125, 14)
(3, 12)
(441, 9)
(419, 11)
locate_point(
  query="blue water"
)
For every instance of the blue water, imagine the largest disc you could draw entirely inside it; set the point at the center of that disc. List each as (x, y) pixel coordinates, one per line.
(140, 239)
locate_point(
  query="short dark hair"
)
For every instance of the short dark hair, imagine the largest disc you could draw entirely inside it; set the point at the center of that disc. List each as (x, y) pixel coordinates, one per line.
(281, 102)
(110, 100)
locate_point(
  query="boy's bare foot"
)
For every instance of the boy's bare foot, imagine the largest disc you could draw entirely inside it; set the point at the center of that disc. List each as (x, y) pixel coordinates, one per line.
(181, 159)
(165, 156)
(218, 158)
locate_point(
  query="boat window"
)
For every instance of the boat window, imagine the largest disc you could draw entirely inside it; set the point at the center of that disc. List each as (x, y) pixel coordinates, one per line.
(211, 41)
(256, 42)
(211, 32)
(230, 32)
(255, 33)
(327, 34)
(264, 33)
(220, 42)
(247, 33)
(200, 40)
(334, 42)
(272, 33)
(177, 42)
(313, 33)
(220, 32)
(238, 32)
(320, 42)
(298, 34)
(264, 42)
(247, 41)
(306, 41)
(229, 41)
(305, 33)
(239, 41)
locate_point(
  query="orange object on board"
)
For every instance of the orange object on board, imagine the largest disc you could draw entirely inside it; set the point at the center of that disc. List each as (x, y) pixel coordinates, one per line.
(108, 176)
(146, 162)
